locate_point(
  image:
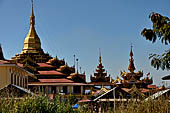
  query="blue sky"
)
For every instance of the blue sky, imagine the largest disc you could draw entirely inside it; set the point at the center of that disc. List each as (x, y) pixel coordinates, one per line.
(81, 27)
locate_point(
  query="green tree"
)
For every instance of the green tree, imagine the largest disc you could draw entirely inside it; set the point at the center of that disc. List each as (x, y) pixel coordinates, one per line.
(161, 31)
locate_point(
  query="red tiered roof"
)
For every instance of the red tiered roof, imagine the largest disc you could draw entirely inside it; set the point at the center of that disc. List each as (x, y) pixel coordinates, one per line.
(51, 72)
(63, 80)
(44, 65)
(151, 86)
(131, 67)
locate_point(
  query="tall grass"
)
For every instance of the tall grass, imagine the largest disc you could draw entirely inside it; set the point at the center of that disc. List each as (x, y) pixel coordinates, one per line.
(160, 105)
(41, 104)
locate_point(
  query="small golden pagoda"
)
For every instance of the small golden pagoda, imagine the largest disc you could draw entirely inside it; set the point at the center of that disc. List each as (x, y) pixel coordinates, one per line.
(100, 75)
(130, 78)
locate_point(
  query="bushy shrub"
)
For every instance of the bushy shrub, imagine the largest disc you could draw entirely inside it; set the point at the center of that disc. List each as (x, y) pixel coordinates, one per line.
(36, 104)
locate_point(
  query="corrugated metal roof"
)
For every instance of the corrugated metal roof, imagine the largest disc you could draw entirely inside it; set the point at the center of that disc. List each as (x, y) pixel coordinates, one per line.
(104, 94)
(20, 88)
(156, 95)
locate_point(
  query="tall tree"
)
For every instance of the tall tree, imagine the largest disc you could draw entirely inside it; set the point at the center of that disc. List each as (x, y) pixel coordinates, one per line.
(160, 30)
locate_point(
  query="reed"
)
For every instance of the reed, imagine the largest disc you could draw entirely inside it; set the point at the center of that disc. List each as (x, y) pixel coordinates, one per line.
(42, 104)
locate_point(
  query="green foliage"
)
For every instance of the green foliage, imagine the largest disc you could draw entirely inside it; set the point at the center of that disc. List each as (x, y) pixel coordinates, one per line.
(39, 104)
(160, 30)
(42, 104)
(161, 61)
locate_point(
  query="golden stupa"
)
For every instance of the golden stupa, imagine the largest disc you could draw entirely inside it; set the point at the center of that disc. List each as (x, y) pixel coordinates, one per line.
(32, 46)
(32, 42)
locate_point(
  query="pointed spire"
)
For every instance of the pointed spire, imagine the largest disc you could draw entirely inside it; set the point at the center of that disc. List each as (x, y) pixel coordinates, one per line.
(100, 59)
(131, 53)
(131, 67)
(1, 54)
(77, 64)
(32, 17)
(74, 60)
(32, 42)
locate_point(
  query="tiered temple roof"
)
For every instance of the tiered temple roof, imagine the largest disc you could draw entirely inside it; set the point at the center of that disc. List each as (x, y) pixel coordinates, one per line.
(100, 76)
(131, 77)
(33, 59)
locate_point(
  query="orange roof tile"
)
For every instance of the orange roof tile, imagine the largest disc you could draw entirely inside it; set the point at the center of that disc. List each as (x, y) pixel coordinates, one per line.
(151, 86)
(143, 90)
(50, 72)
(63, 80)
(126, 89)
(44, 65)
(55, 84)
(100, 83)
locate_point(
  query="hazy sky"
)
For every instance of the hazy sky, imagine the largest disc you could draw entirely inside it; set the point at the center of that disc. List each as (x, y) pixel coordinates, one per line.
(81, 27)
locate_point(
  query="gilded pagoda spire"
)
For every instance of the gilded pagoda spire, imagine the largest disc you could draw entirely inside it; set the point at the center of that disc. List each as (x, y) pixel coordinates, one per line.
(32, 42)
(131, 67)
(32, 17)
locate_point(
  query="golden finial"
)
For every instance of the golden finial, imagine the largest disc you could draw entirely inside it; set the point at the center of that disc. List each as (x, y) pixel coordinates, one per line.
(32, 5)
(100, 60)
(32, 18)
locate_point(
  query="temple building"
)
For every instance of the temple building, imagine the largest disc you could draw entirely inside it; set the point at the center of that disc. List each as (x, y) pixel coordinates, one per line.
(13, 79)
(130, 86)
(100, 77)
(132, 78)
(52, 75)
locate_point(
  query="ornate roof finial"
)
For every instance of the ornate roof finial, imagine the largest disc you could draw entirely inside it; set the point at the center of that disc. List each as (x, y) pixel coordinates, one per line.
(77, 64)
(100, 59)
(131, 53)
(32, 6)
(131, 67)
(74, 60)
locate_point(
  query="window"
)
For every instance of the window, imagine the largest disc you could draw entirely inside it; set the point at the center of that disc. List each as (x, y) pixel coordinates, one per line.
(53, 89)
(15, 79)
(65, 89)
